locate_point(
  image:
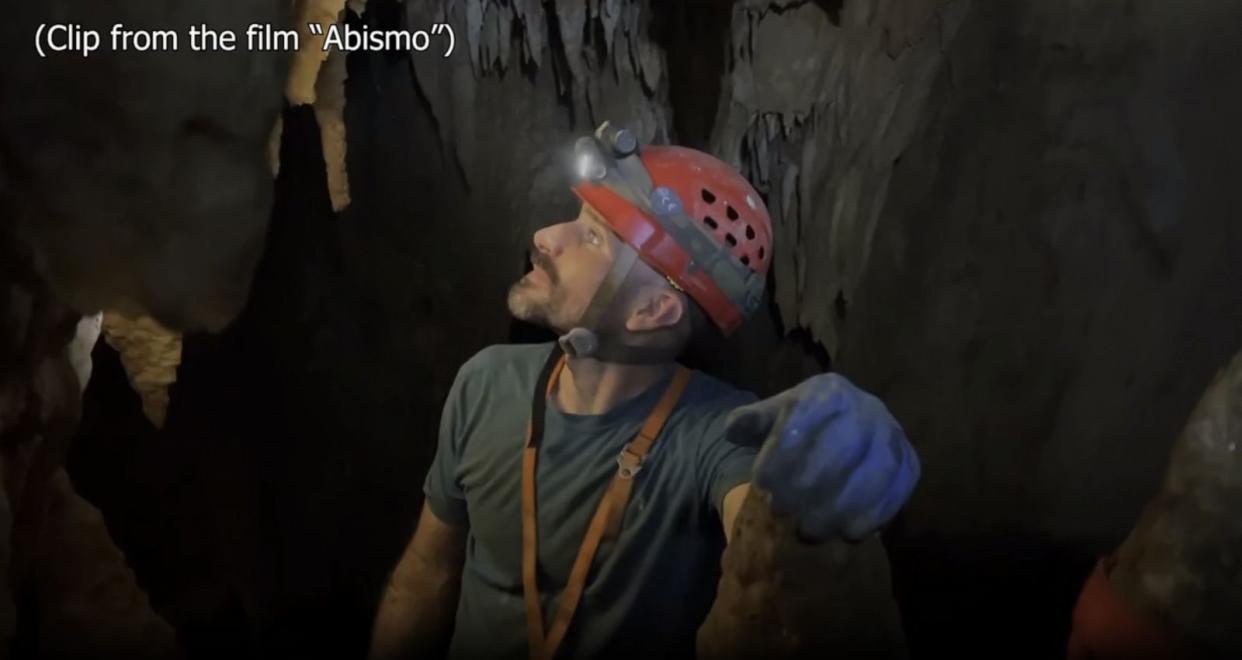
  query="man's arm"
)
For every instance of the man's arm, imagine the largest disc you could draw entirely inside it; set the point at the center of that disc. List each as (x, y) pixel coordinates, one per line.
(415, 617)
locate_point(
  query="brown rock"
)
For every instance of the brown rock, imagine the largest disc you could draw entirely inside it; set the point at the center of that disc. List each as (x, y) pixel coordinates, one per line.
(780, 598)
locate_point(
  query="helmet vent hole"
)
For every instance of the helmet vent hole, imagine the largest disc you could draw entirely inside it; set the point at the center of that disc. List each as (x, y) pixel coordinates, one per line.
(760, 253)
(708, 196)
(710, 222)
(730, 240)
(730, 212)
(750, 233)
(745, 260)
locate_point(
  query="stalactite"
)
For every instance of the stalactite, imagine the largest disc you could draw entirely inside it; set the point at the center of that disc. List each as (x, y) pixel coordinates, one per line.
(150, 354)
(587, 74)
(491, 24)
(304, 72)
(816, 113)
(317, 78)
(330, 114)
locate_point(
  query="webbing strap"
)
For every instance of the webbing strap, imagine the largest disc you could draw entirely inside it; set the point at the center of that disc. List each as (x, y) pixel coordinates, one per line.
(605, 523)
(622, 263)
(534, 433)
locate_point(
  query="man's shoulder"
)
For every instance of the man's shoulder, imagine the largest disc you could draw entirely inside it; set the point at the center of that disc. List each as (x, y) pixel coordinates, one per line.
(497, 376)
(708, 400)
(505, 360)
(709, 391)
(701, 420)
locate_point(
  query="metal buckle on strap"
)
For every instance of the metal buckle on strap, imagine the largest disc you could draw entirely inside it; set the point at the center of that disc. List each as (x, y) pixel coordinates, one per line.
(624, 470)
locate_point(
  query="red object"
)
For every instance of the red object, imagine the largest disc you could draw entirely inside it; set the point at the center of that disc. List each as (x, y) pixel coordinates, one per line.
(1106, 627)
(713, 194)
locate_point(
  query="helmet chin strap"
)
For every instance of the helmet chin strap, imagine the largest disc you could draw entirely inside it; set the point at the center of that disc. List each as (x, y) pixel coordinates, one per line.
(584, 341)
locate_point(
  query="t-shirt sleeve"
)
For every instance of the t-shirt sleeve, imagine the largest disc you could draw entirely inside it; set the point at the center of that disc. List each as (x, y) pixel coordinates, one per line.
(722, 465)
(442, 488)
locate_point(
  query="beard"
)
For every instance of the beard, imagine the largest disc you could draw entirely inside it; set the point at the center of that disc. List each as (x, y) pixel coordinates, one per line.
(526, 304)
(530, 302)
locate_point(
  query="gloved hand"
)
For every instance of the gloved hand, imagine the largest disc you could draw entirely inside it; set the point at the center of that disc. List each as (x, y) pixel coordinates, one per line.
(832, 456)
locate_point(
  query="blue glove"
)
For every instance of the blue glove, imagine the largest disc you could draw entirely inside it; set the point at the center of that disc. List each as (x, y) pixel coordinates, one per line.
(832, 456)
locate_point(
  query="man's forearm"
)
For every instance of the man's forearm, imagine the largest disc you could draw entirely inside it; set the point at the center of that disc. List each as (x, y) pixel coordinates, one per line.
(415, 617)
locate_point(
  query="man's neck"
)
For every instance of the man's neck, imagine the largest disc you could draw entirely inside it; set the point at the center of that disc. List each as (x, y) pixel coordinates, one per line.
(591, 387)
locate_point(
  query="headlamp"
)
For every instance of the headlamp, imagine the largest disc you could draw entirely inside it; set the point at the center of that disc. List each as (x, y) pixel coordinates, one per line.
(600, 153)
(610, 158)
(590, 168)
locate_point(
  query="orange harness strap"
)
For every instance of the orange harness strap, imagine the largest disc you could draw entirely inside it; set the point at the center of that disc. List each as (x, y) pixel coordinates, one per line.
(605, 523)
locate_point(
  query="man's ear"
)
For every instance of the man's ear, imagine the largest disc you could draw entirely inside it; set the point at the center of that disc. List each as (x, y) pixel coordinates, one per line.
(658, 308)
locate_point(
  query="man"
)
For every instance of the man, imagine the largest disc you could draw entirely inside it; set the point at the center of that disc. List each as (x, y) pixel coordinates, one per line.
(583, 490)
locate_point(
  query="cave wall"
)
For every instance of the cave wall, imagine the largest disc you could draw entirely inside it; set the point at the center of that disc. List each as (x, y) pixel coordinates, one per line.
(1053, 277)
(1016, 222)
(1050, 281)
(119, 167)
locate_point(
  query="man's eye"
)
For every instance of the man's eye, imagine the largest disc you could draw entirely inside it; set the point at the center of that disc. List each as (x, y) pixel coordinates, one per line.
(593, 236)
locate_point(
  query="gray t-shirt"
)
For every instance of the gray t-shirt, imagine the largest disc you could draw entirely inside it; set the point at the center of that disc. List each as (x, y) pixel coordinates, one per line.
(648, 591)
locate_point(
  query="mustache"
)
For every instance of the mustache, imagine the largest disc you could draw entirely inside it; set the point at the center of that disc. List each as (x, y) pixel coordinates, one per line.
(538, 258)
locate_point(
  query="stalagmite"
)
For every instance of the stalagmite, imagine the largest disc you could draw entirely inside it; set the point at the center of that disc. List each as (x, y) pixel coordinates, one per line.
(781, 598)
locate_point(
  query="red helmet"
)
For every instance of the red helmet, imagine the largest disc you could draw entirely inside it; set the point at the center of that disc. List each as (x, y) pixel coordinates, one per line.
(690, 216)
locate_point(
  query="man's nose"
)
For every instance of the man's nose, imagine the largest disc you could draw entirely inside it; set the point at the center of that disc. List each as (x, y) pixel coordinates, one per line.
(551, 240)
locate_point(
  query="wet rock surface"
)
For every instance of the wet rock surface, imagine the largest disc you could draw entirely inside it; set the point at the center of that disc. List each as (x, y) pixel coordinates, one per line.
(1182, 560)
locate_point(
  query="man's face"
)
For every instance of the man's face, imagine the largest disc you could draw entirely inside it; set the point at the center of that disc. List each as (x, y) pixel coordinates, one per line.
(570, 260)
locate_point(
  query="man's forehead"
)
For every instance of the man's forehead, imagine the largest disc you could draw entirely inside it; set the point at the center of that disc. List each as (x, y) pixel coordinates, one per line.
(590, 214)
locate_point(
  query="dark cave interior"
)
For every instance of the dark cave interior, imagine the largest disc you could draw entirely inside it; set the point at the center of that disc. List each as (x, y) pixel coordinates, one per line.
(1015, 223)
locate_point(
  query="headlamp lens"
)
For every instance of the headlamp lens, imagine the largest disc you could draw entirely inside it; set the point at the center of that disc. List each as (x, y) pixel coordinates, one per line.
(590, 167)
